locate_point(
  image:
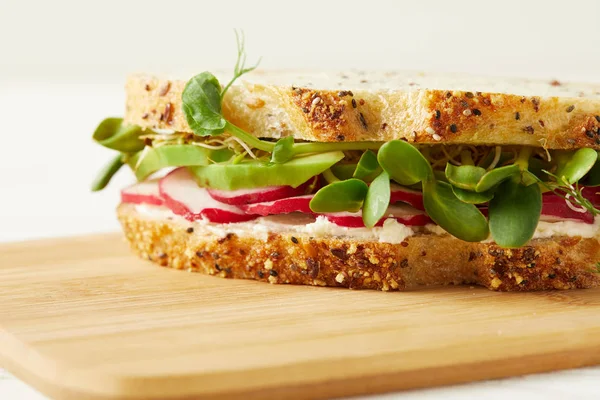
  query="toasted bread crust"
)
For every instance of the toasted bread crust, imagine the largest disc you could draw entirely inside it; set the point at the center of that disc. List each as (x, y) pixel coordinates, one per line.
(429, 116)
(559, 262)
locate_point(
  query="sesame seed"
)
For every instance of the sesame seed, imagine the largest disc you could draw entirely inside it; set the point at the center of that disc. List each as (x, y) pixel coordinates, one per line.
(437, 114)
(430, 130)
(464, 104)
(589, 134)
(453, 128)
(272, 272)
(570, 108)
(190, 230)
(476, 112)
(469, 95)
(541, 122)
(361, 102)
(383, 126)
(353, 103)
(436, 137)
(147, 87)
(517, 116)
(316, 101)
(597, 118)
(597, 140)
(339, 278)
(467, 112)
(305, 110)
(261, 274)
(294, 240)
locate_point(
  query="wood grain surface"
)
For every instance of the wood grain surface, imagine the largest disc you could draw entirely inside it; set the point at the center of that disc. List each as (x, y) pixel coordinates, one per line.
(82, 318)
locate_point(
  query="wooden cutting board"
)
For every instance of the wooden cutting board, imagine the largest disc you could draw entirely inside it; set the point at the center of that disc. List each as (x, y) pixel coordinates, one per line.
(82, 318)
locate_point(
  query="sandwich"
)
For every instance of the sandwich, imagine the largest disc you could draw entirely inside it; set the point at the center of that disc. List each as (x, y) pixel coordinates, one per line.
(363, 180)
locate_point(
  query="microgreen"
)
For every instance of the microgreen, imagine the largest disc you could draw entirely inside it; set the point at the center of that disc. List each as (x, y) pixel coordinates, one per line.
(468, 196)
(514, 213)
(577, 165)
(338, 195)
(377, 200)
(496, 176)
(460, 219)
(367, 167)
(240, 64)
(465, 176)
(404, 163)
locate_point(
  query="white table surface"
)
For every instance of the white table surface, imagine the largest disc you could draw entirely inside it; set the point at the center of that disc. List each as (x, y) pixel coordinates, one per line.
(46, 171)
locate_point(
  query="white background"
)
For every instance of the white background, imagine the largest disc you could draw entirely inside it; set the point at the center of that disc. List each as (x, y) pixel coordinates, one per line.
(63, 63)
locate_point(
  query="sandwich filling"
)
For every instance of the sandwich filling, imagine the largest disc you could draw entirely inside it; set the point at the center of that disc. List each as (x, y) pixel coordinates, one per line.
(386, 191)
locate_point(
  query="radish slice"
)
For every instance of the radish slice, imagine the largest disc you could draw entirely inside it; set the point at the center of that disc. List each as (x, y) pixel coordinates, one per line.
(281, 206)
(402, 213)
(184, 197)
(261, 195)
(410, 196)
(142, 193)
(555, 209)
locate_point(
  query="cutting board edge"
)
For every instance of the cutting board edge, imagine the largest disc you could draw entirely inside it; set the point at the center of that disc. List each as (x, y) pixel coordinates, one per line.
(350, 385)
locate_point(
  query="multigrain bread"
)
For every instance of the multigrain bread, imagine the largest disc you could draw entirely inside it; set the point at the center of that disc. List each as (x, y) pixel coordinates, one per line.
(418, 107)
(559, 262)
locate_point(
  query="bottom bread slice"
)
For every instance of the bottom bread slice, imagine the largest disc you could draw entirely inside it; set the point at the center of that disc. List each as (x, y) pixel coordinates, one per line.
(559, 262)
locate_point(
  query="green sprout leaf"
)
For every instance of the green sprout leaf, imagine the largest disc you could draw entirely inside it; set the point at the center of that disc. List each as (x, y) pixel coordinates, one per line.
(471, 197)
(514, 213)
(201, 101)
(404, 163)
(107, 172)
(111, 133)
(496, 176)
(340, 196)
(368, 167)
(464, 177)
(460, 219)
(283, 150)
(377, 200)
(578, 165)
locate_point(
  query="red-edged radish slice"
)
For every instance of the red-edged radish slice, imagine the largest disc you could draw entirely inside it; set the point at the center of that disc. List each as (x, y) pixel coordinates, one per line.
(184, 197)
(402, 213)
(261, 195)
(410, 196)
(556, 209)
(281, 206)
(142, 193)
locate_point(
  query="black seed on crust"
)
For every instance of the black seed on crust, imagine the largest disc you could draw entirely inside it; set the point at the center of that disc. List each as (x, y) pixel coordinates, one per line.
(294, 240)
(272, 272)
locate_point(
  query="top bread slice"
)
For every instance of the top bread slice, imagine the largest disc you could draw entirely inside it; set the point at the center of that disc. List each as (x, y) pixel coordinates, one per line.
(382, 106)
